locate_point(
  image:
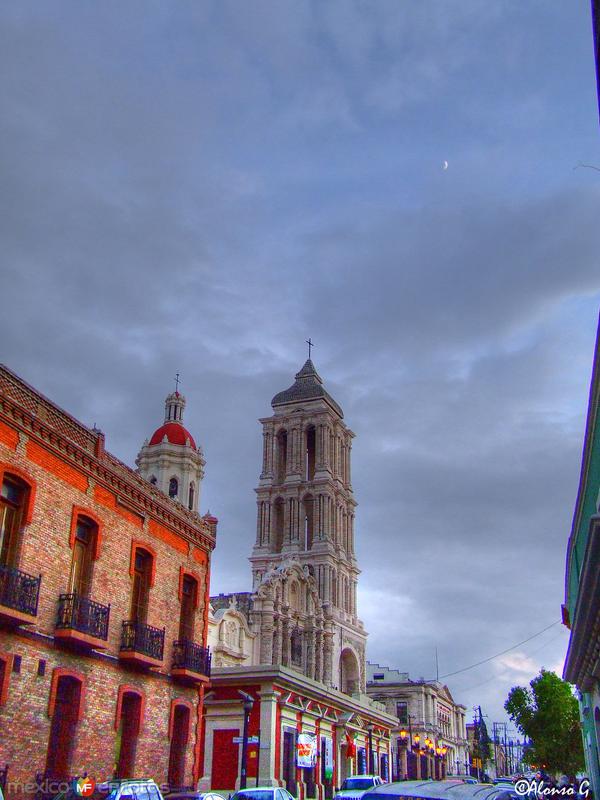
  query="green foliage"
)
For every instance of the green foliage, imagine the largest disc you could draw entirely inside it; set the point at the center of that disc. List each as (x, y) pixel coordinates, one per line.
(547, 713)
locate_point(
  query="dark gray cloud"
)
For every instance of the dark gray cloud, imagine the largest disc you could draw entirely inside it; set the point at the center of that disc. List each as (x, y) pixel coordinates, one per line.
(199, 187)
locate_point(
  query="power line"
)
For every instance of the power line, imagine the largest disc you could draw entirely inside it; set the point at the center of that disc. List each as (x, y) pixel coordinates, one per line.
(504, 675)
(508, 649)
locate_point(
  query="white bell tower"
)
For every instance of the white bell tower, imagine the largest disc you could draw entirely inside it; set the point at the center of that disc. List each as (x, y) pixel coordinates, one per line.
(170, 459)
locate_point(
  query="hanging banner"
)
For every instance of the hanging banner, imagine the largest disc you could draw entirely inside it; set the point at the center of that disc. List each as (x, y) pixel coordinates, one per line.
(306, 750)
(328, 759)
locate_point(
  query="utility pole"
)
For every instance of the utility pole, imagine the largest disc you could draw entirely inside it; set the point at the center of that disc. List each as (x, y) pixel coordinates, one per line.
(495, 735)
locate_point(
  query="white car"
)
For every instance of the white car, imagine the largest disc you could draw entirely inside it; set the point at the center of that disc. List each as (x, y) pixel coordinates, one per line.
(132, 789)
(263, 793)
(354, 787)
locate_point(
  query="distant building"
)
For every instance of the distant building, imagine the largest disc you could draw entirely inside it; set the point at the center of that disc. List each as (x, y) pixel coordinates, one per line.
(430, 739)
(295, 644)
(581, 611)
(103, 604)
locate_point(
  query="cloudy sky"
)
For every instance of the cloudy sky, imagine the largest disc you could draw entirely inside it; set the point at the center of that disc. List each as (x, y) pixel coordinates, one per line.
(201, 186)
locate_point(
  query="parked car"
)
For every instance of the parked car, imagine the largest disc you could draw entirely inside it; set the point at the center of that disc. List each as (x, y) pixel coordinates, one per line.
(354, 787)
(437, 790)
(193, 795)
(262, 793)
(136, 789)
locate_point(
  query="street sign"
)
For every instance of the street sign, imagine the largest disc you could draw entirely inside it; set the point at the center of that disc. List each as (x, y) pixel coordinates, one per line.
(240, 739)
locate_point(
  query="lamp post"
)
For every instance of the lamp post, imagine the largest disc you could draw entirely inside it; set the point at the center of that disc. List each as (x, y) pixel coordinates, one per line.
(370, 730)
(403, 756)
(248, 703)
(417, 747)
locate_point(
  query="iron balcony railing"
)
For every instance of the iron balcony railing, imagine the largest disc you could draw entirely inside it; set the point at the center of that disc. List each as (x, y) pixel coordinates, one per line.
(83, 615)
(192, 656)
(19, 591)
(141, 638)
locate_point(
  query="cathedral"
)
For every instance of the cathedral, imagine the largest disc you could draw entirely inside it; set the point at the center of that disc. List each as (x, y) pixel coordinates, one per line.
(295, 644)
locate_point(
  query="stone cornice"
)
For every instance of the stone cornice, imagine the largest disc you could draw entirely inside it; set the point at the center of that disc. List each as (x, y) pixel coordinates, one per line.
(294, 681)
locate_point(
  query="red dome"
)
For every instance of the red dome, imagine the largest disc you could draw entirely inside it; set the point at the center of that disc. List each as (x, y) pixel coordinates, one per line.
(175, 433)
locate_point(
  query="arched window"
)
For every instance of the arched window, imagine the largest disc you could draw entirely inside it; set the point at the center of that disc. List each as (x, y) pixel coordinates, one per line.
(173, 487)
(296, 647)
(13, 499)
(140, 594)
(65, 710)
(179, 731)
(189, 602)
(84, 545)
(130, 713)
(153, 480)
(191, 497)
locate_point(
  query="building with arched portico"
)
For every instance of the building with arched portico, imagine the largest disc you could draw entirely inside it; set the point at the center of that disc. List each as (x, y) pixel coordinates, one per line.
(302, 658)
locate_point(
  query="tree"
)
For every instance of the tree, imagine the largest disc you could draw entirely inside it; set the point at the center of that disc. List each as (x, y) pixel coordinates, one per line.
(547, 713)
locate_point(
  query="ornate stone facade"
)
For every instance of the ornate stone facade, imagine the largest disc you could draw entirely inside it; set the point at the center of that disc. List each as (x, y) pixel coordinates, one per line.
(304, 567)
(425, 709)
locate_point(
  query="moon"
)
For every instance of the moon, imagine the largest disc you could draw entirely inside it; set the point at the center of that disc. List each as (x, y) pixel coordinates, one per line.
(445, 165)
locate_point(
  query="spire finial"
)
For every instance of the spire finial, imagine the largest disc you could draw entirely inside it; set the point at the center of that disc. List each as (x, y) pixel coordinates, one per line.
(176, 383)
(310, 345)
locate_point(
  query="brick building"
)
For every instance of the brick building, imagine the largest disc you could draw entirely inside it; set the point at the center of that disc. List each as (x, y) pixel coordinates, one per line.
(104, 583)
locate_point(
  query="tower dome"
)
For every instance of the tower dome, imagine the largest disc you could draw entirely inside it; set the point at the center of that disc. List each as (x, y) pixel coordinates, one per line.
(170, 459)
(308, 385)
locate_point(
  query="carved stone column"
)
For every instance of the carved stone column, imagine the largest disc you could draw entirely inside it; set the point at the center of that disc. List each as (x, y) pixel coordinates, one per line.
(286, 522)
(259, 522)
(266, 632)
(293, 519)
(310, 651)
(277, 641)
(328, 658)
(319, 656)
(286, 632)
(266, 443)
(327, 589)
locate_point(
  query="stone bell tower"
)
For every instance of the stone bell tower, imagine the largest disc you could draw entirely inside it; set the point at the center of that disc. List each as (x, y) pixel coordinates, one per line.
(306, 518)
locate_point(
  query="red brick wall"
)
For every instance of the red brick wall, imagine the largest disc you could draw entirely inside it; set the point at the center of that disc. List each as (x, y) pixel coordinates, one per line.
(45, 550)
(25, 724)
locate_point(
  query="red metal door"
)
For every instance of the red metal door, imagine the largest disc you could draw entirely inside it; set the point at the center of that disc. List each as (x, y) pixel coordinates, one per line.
(225, 759)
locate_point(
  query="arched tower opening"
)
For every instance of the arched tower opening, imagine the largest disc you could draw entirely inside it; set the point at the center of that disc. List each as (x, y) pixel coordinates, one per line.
(349, 672)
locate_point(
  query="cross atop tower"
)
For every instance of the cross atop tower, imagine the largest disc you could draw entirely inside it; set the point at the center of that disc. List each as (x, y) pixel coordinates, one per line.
(310, 345)
(177, 382)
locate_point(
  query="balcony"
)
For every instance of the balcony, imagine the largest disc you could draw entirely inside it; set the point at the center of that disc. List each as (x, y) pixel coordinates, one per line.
(19, 595)
(191, 662)
(142, 644)
(81, 621)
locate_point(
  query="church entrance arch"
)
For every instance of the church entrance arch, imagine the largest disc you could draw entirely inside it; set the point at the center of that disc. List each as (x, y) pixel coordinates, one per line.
(349, 672)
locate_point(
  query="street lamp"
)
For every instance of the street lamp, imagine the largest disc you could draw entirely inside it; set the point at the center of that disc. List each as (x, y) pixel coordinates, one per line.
(248, 703)
(403, 756)
(370, 730)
